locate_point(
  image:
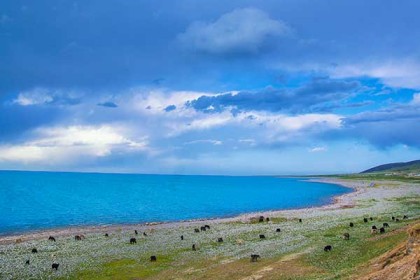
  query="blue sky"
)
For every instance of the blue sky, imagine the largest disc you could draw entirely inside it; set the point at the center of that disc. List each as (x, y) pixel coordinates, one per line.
(210, 87)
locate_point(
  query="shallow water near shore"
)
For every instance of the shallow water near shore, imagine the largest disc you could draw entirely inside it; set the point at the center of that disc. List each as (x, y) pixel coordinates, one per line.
(44, 200)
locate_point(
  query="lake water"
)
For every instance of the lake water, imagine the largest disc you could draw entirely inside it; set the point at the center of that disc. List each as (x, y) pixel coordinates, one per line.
(42, 200)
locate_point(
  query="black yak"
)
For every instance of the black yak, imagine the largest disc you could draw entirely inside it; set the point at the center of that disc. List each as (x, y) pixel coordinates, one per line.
(254, 257)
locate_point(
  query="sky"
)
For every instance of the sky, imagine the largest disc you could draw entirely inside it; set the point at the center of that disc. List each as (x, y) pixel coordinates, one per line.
(245, 87)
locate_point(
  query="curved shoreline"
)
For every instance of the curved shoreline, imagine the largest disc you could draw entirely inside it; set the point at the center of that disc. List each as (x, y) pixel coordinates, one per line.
(341, 201)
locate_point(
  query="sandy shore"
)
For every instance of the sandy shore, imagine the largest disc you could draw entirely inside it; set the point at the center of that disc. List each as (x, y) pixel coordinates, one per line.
(361, 190)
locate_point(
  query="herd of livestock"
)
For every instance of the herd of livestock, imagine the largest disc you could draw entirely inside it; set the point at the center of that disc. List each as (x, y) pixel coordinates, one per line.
(254, 257)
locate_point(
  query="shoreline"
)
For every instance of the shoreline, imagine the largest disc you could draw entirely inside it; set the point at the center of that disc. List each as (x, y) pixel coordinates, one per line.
(346, 200)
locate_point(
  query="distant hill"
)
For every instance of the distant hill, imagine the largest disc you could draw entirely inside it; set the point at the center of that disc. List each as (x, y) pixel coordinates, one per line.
(411, 166)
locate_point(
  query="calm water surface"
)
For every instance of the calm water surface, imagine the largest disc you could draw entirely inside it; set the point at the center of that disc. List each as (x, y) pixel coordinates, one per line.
(41, 200)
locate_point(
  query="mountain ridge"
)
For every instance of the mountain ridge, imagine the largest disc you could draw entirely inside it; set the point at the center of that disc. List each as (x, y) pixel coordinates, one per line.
(413, 165)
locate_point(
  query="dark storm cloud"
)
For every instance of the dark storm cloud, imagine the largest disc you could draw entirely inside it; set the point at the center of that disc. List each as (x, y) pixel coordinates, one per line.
(303, 99)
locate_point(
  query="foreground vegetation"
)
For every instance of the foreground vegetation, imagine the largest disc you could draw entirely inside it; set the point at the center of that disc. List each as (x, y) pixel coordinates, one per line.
(294, 253)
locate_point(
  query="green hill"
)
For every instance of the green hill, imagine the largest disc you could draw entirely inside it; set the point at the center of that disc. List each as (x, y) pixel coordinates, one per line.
(397, 167)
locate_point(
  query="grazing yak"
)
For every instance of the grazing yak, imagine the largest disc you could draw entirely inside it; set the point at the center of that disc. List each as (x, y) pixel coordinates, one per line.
(51, 238)
(374, 230)
(207, 226)
(106, 235)
(385, 225)
(300, 220)
(55, 266)
(365, 220)
(382, 230)
(153, 258)
(34, 251)
(203, 228)
(327, 248)
(351, 225)
(182, 237)
(262, 236)
(267, 219)
(196, 230)
(397, 220)
(136, 232)
(261, 219)
(79, 237)
(371, 218)
(194, 248)
(405, 217)
(144, 234)
(346, 236)
(278, 230)
(220, 239)
(254, 257)
(27, 262)
(393, 218)
(133, 240)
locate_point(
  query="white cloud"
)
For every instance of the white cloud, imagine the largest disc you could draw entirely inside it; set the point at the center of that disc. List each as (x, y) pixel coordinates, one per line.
(34, 97)
(317, 149)
(242, 30)
(64, 144)
(208, 141)
(293, 123)
(69, 144)
(402, 73)
(40, 96)
(250, 142)
(416, 99)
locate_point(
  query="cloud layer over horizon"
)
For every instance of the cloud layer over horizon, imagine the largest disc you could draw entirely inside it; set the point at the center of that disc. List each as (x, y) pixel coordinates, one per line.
(245, 87)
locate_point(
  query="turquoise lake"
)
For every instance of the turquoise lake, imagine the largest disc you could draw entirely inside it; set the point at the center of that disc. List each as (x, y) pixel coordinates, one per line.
(43, 200)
